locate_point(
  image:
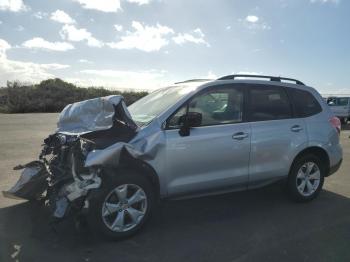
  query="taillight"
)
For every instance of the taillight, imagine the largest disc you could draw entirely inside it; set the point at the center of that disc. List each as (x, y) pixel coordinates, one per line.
(335, 122)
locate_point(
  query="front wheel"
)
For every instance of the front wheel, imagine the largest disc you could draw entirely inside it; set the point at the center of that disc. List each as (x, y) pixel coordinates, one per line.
(121, 207)
(306, 178)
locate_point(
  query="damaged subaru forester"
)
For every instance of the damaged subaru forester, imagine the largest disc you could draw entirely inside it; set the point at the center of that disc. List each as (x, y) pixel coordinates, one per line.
(113, 163)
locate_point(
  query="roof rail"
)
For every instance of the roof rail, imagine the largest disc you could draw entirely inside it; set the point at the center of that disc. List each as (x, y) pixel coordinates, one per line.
(272, 78)
(193, 80)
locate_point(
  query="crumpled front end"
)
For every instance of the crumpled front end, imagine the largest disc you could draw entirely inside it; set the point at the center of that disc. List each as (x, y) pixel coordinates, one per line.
(61, 177)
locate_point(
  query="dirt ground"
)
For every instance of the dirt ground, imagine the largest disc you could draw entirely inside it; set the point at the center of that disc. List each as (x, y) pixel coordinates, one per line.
(260, 225)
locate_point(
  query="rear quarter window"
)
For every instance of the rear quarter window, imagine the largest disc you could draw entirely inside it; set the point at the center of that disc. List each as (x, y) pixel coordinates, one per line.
(305, 104)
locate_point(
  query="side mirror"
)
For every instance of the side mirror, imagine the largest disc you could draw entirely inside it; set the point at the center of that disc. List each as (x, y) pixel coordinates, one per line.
(192, 119)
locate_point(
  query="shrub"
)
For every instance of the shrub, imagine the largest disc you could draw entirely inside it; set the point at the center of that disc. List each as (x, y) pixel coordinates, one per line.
(53, 95)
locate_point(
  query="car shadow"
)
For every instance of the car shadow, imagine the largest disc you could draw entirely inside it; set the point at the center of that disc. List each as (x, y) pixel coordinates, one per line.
(237, 226)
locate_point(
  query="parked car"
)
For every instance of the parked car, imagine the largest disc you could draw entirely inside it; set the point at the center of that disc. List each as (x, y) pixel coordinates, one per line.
(340, 107)
(194, 138)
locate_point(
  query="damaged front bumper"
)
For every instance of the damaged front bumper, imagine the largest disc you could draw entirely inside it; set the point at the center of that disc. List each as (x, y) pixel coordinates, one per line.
(59, 181)
(60, 176)
(32, 182)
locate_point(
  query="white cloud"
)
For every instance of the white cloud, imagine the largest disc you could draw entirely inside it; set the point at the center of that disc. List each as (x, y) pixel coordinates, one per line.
(54, 66)
(85, 61)
(4, 45)
(210, 75)
(110, 6)
(325, 1)
(141, 80)
(40, 15)
(254, 23)
(139, 2)
(11, 70)
(145, 38)
(252, 19)
(61, 17)
(119, 28)
(40, 43)
(19, 28)
(122, 73)
(71, 33)
(13, 5)
(196, 37)
(101, 5)
(249, 73)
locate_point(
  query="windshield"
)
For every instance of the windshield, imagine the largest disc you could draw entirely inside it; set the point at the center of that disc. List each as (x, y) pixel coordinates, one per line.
(147, 108)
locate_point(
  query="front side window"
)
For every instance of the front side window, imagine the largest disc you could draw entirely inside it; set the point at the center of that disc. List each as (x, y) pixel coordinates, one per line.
(332, 101)
(305, 103)
(269, 103)
(217, 106)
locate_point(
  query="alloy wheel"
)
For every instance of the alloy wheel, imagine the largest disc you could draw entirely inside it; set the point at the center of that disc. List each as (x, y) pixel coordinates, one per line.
(308, 179)
(124, 207)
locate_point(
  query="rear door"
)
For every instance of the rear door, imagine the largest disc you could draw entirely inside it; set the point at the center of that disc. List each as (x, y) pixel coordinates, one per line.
(215, 156)
(276, 135)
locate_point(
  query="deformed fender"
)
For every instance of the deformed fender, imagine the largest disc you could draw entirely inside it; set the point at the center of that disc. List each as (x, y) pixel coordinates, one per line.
(141, 147)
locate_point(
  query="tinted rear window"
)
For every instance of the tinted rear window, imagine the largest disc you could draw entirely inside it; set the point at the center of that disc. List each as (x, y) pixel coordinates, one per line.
(305, 104)
(269, 103)
(342, 101)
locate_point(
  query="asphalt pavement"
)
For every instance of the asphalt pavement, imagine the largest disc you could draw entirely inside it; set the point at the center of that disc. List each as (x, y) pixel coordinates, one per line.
(258, 225)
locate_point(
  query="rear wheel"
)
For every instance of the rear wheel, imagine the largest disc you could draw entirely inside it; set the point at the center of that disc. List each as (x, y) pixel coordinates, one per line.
(306, 178)
(121, 207)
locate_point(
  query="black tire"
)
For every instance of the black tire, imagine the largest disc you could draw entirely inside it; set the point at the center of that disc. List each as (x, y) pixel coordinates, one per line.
(344, 120)
(292, 187)
(98, 196)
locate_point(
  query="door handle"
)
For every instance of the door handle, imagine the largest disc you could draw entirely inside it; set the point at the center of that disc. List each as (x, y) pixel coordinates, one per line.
(296, 128)
(240, 135)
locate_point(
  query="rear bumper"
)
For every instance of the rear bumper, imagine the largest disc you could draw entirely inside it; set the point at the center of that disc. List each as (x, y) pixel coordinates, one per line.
(335, 168)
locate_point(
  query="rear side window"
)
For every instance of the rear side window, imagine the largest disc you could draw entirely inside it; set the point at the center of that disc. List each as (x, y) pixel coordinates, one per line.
(305, 104)
(269, 103)
(342, 101)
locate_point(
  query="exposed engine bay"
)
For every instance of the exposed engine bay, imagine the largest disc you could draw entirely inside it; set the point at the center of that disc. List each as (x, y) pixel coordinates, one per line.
(61, 177)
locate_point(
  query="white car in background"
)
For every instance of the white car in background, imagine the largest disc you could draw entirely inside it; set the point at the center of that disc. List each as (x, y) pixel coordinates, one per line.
(340, 106)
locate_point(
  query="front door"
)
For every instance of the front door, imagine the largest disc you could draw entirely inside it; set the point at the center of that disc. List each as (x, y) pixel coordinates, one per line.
(215, 155)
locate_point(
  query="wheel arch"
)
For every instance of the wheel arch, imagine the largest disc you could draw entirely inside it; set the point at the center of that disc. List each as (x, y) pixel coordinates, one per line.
(127, 162)
(317, 151)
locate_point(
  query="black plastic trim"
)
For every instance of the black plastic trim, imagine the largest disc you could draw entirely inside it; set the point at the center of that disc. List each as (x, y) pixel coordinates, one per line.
(272, 78)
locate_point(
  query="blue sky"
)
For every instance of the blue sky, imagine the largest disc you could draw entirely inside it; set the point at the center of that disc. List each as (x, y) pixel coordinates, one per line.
(145, 44)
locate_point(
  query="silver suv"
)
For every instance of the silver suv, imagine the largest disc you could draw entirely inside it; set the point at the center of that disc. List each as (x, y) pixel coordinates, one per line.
(194, 138)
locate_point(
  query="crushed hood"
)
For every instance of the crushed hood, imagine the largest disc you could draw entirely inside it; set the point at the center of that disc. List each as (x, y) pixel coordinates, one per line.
(116, 131)
(94, 115)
